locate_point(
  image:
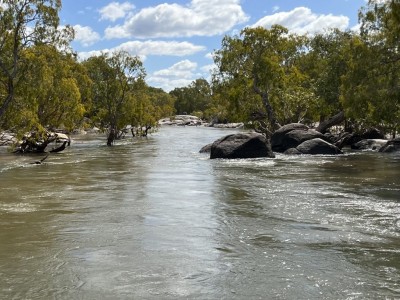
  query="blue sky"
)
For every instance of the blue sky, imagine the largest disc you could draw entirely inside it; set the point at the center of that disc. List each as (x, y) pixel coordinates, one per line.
(175, 39)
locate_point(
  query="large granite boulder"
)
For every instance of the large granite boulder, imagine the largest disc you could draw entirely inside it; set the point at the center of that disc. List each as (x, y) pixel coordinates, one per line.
(391, 146)
(318, 146)
(292, 135)
(241, 145)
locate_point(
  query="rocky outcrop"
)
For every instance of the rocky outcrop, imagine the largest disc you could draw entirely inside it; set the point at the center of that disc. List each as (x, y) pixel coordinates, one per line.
(7, 138)
(391, 146)
(292, 135)
(181, 120)
(228, 125)
(240, 145)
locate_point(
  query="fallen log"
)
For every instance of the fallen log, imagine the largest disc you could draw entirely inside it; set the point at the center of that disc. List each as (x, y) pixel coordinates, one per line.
(335, 120)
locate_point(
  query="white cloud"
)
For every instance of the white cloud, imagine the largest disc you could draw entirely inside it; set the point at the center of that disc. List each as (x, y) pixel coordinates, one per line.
(85, 35)
(178, 75)
(209, 55)
(199, 18)
(116, 32)
(115, 11)
(183, 69)
(171, 48)
(208, 68)
(168, 84)
(147, 48)
(356, 28)
(85, 55)
(302, 20)
(275, 8)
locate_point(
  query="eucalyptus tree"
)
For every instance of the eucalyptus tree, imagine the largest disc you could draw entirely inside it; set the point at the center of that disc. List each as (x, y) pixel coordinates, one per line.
(162, 101)
(24, 23)
(51, 91)
(371, 89)
(194, 98)
(116, 78)
(325, 63)
(257, 71)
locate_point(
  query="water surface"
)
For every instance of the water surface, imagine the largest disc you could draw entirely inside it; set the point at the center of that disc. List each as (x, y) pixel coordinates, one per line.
(154, 219)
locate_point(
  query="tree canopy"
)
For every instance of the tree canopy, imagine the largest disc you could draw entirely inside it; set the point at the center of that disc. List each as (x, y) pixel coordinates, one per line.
(265, 77)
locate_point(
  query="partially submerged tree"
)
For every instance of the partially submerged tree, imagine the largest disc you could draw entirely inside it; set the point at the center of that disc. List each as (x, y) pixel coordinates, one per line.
(116, 78)
(148, 106)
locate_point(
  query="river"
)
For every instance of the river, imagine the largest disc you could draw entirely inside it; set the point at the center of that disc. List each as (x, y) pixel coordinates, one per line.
(154, 219)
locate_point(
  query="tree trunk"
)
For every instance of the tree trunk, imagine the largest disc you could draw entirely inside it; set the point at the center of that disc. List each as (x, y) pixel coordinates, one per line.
(7, 100)
(335, 120)
(111, 137)
(267, 105)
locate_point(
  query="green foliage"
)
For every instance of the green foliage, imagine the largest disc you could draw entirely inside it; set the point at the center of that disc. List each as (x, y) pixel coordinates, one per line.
(325, 63)
(195, 97)
(257, 72)
(116, 78)
(371, 89)
(23, 24)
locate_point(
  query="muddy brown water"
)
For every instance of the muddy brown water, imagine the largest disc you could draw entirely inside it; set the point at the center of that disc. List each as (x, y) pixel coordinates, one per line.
(154, 219)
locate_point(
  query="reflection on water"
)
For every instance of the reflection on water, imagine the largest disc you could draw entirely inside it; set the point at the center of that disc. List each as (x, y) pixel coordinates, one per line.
(154, 219)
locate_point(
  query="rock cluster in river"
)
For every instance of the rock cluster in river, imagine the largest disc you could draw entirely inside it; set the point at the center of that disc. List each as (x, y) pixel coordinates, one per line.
(298, 138)
(189, 120)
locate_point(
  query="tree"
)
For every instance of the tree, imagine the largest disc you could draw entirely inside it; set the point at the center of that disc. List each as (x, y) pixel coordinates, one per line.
(258, 71)
(51, 90)
(24, 23)
(116, 78)
(162, 101)
(325, 63)
(194, 98)
(371, 89)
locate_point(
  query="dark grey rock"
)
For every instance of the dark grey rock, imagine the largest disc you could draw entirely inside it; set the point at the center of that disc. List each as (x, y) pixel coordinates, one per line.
(292, 151)
(241, 145)
(318, 146)
(372, 134)
(278, 137)
(206, 149)
(292, 135)
(391, 146)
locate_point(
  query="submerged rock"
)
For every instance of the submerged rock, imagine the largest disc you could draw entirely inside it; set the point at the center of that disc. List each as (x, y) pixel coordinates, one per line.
(240, 145)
